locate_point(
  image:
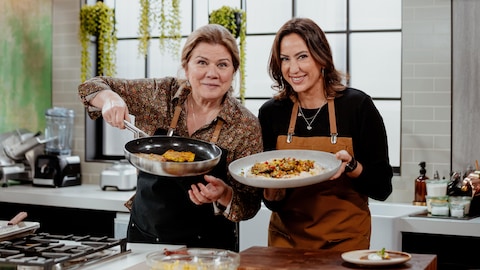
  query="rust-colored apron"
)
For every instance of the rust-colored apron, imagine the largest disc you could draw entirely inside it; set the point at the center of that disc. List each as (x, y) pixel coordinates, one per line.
(327, 215)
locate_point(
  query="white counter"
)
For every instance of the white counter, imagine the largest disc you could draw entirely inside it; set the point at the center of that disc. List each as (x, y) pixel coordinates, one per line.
(82, 196)
(135, 260)
(92, 197)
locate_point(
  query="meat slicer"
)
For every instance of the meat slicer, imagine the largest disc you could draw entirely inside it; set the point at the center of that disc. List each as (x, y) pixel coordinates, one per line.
(18, 152)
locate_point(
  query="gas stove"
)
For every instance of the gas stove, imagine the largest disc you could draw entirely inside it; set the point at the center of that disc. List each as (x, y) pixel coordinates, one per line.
(44, 251)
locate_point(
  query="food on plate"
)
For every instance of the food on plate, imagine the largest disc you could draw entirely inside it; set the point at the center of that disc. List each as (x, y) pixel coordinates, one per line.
(287, 167)
(378, 255)
(170, 155)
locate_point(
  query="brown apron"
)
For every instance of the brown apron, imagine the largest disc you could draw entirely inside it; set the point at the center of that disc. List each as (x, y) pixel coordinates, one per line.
(327, 215)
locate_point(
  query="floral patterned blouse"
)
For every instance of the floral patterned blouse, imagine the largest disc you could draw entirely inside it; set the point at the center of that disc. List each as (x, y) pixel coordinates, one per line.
(153, 102)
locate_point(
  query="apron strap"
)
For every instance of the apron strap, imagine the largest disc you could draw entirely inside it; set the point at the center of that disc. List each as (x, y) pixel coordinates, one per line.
(331, 116)
(176, 116)
(333, 121)
(216, 132)
(293, 121)
(173, 124)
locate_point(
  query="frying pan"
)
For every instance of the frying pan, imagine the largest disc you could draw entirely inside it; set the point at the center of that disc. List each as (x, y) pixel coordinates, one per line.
(207, 155)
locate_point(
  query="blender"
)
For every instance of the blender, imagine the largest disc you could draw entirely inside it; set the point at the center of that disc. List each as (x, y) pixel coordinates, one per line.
(57, 167)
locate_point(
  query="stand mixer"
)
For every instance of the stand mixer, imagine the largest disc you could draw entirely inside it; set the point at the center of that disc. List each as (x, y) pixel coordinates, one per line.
(18, 152)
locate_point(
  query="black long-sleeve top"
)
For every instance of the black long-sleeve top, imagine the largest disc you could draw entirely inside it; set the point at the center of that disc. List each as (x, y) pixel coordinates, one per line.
(356, 117)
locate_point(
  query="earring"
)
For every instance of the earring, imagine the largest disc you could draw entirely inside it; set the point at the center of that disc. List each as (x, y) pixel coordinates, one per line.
(323, 73)
(187, 83)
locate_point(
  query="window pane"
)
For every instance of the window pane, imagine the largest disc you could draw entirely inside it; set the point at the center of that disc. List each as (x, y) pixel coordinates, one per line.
(163, 64)
(257, 80)
(216, 4)
(127, 17)
(330, 15)
(338, 45)
(254, 104)
(130, 65)
(375, 64)
(375, 14)
(186, 17)
(266, 17)
(390, 111)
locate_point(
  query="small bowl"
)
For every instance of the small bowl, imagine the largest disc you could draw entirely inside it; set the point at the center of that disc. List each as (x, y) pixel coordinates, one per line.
(194, 258)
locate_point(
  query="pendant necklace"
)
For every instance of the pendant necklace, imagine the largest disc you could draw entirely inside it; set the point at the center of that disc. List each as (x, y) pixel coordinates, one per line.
(309, 123)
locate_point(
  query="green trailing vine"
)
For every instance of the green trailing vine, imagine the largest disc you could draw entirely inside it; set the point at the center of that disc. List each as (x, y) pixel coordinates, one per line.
(164, 14)
(98, 21)
(144, 27)
(232, 19)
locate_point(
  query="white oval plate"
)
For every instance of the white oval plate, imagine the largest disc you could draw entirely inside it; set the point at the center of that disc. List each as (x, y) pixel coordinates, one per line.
(358, 257)
(324, 159)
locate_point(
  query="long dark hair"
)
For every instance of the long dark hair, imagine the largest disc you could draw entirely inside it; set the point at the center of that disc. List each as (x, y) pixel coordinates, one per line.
(319, 48)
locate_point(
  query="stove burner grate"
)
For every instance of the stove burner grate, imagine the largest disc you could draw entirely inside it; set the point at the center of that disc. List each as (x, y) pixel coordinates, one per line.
(48, 251)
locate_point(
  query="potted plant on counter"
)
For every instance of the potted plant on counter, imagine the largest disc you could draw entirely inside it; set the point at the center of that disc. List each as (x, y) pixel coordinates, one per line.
(97, 23)
(235, 20)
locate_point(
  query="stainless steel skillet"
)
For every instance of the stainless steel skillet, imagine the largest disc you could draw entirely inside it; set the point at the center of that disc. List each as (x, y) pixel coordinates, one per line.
(207, 155)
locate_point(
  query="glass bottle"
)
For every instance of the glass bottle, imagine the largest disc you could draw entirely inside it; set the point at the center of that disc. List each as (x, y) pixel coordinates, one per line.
(421, 186)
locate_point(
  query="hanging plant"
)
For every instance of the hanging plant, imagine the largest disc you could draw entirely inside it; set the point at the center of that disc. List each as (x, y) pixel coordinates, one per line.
(164, 14)
(98, 22)
(144, 27)
(235, 20)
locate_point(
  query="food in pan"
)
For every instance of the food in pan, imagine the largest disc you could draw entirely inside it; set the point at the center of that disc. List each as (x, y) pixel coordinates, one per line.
(170, 155)
(287, 167)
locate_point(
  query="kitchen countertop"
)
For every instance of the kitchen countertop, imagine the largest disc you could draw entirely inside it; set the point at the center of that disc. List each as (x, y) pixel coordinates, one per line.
(89, 196)
(85, 196)
(259, 258)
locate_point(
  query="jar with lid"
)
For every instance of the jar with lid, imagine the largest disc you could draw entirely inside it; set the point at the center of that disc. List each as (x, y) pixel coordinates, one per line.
(59, 131)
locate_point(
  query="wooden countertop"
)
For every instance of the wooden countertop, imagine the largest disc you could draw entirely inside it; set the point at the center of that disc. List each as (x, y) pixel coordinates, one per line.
(263, 258)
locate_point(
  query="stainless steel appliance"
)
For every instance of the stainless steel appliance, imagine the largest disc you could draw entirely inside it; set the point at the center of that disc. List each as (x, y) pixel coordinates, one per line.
(57, 167)
(120, 176)
(18, 152)
(57, 171)
(43, 251)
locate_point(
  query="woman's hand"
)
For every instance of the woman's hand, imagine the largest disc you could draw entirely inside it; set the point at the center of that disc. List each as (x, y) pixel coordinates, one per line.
(345, 157)
(114, 108)
(274, 194)
(215, 191)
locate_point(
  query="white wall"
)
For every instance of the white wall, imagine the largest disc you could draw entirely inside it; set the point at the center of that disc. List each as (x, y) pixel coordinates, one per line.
(426, 90)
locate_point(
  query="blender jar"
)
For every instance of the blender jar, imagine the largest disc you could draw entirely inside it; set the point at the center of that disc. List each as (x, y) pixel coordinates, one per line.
(59, 126)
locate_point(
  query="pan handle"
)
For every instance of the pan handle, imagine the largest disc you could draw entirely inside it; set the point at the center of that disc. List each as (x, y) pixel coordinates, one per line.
(138, 132)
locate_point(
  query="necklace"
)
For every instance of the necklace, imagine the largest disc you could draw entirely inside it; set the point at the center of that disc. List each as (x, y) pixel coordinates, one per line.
(309, 123)
(207, 119)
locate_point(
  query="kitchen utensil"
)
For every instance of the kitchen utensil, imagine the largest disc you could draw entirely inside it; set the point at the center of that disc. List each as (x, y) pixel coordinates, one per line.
(15, 220)
(17, 227)
(138, 132)
(194, 258)
(207, 155)
(239, 167)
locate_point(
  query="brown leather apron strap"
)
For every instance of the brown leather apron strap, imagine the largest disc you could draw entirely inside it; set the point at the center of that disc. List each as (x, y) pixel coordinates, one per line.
(331, 116)
(216, 132)
(333, 120)
(293, 121)
(173, 124)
